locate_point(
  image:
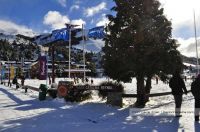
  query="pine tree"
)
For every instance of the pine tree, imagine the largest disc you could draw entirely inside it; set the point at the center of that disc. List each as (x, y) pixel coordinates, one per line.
(139, 44)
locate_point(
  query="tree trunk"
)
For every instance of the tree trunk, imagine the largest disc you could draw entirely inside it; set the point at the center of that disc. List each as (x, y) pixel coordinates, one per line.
(148, 88)
(140, 91)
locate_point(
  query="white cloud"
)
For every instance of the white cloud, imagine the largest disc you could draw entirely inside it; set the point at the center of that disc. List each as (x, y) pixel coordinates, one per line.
(94, 10)
(74, 7)
(78, 22)
(103, 21)
(57, 20)
(92, 45)
(181, 12)
(62, 2)
(9, 27)
(188, 46)
(98, 43)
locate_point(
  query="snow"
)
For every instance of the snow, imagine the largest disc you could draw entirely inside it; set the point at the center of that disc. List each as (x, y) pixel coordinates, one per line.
(22, 112)
(188, 64)
(17, 39)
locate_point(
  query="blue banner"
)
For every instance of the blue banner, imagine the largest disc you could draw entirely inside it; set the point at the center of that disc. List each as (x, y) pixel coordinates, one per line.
(2, 72)
(97, 33)
(61, 34)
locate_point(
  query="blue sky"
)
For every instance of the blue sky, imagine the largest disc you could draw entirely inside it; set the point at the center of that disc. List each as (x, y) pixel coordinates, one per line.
(31, 13)
(40, 16)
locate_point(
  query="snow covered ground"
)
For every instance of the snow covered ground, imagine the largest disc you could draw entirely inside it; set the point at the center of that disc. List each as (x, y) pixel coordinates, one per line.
(20, 112)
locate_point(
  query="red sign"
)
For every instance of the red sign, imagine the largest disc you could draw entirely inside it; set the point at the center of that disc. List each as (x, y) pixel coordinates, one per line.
(43, 68)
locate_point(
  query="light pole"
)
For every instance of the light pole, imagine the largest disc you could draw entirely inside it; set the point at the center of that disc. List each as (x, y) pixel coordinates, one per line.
(1, 69)
(83, 37)
(70, 26)
(69, 52)
(195, 32)
(53, 65)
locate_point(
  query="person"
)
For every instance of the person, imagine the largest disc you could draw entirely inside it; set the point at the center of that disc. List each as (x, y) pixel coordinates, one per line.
(77, 80)
(177, 85)
(195, 89)
(22, 80)
(74, 79)
(92, 82)
(156, 79)
(86, 79)
(15, 82)
(49, 79)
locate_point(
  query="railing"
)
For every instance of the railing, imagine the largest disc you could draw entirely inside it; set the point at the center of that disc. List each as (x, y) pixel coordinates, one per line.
(149, 95)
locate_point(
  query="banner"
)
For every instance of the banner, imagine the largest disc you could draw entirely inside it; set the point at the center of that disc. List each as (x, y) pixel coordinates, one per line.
(2, 72)
(60, 34)
(18, 71)
(42, 68)
(97, 33)
(12, 72)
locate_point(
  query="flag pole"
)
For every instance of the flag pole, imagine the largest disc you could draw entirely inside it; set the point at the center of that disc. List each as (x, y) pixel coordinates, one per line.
(53, 63)
(83, 37)
(69, 51)
(195, 32)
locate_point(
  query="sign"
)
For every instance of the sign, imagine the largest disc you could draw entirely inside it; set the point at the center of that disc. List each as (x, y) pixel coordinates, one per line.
(64, 87)
(97, 33)
(42, 67)
(2, 72)
(61, 34)
(12, 72)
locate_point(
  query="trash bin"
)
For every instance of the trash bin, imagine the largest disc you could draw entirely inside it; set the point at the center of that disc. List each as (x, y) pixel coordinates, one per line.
(43, 87)
(42, 92)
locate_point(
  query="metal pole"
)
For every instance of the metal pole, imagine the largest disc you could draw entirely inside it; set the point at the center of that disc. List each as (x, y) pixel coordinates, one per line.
(1, 66)
(46, 67)
(53, 61)
(69, 51)
(196, 44)
(83, 37)
(8, 73)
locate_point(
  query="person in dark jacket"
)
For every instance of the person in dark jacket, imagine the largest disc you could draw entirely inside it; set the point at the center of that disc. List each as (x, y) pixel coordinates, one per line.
(15, 82)
(195, 89)
(177, 85)
(22, 80)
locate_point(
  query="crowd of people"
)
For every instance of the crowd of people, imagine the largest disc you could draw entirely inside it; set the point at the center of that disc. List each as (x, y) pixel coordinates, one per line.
(76, 80)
